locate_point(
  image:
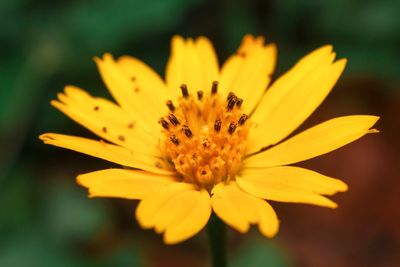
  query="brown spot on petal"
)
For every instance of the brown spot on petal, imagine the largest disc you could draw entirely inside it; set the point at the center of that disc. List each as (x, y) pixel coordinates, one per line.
(158, 165)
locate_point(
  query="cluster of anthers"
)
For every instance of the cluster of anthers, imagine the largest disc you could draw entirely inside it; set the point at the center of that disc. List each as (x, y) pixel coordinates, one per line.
(205, 136)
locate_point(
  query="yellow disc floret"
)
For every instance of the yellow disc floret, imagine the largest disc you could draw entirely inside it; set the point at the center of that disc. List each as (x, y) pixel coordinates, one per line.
(205, 136)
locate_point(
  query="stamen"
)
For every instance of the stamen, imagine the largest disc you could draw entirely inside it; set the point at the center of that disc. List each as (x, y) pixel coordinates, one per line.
(200, 95)
(214, 87)
(186, 130)
(243, 119)
(232, 102)
(230, 95)
(232, 127)
(217, 125)
(173, 119)
(239, 102)
(200, 154)
(170, 106)
(164, 123)
(185, 91)
(174, 139)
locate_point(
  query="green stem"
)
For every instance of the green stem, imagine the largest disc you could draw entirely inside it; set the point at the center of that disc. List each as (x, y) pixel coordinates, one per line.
(217, 241)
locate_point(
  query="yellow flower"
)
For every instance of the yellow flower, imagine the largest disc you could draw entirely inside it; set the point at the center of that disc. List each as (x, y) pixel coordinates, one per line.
(209, 139)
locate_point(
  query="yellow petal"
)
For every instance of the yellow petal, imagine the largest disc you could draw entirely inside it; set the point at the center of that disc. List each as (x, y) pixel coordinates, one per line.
(239, 209)
(316, 141)
(112, 153)
(293, 97)
(148, 82)
(259, 187)
(139, 102)
(247, 73)
(193, 63)
(294, 178)
(107, 120)
(177, 210)
(120, 183)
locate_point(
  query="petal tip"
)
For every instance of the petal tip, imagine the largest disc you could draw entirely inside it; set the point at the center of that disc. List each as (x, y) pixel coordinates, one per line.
(46, 137)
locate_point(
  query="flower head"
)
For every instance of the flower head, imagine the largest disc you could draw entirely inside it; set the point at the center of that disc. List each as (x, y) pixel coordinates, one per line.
(209, 139)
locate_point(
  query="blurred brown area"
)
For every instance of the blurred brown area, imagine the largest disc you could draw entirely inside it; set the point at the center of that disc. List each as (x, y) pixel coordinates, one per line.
(47, 220)
(364, 230)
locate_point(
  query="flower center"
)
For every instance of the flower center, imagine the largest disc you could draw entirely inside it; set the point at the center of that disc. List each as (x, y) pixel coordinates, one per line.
(205, 136)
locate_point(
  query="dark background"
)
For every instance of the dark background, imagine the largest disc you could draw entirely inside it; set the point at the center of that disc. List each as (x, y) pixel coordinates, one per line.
(47, 220)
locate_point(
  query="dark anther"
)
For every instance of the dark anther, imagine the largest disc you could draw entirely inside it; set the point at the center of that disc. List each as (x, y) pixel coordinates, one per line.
(217, 125)
(243, 119)
(203, 172)
(164, 123)
(200, 95)
(214, 87)
(239, 102)
(230, 95)
(185, 91)
(104, 129)
(174, 139)
(173, 119)
(96, 108)
(232, 102)
(186, 130)
(170, 106)
(232, 127)
(121, 138)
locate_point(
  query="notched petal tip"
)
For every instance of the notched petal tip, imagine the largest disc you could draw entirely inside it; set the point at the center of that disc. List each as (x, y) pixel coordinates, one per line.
(106, 57)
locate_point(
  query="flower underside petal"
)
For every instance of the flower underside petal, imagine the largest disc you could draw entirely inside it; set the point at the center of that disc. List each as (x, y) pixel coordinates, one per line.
(120, 183)
(239, 209)
(316, 141)
(294, 97)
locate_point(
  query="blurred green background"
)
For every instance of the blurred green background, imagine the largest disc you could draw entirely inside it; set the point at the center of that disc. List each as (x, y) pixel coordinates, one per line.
(47, 220)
